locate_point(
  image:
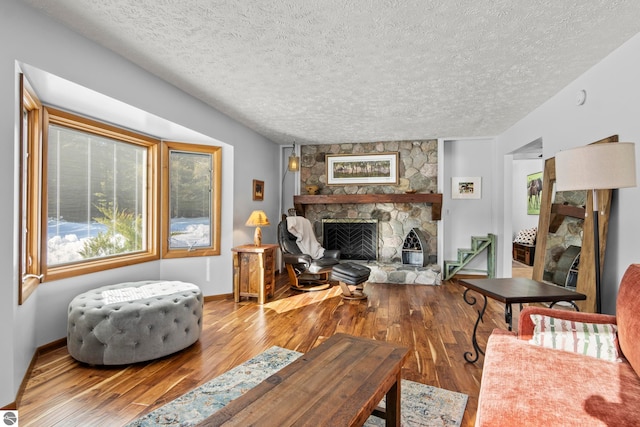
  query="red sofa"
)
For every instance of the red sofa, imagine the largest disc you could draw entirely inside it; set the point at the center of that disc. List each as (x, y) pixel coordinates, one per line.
(528, 385)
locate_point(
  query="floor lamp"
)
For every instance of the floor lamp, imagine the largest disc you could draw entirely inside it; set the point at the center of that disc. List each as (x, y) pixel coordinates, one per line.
(596, 167)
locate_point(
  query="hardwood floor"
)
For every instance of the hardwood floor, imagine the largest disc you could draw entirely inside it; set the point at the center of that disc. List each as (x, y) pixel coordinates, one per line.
(521, 270)
(433, 321)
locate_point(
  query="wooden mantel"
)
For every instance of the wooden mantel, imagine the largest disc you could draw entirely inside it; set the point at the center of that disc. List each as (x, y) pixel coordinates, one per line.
(435, 199)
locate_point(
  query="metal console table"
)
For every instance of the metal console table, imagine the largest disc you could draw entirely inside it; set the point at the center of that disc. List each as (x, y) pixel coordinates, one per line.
(512, 291)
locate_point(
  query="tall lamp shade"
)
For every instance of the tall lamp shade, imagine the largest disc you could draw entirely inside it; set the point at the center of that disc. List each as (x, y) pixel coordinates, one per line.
(596, 167)
(605, 166)
(257, 219)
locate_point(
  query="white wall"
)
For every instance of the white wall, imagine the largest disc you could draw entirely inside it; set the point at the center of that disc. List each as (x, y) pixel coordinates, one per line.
(613, 90)
(522, 168)
(464, 218)
(29, 37)
(256, 162)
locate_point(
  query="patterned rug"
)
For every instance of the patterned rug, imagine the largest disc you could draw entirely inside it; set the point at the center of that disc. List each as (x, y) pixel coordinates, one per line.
(422, 405)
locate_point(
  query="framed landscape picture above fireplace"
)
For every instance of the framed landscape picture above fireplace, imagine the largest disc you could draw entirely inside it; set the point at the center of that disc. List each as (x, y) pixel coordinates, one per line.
(354, 169)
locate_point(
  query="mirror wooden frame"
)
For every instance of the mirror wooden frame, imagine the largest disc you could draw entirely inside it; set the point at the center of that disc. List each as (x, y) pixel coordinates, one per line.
(586, 282)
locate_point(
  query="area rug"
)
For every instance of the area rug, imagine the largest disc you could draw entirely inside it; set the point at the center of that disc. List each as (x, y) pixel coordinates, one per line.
(422, 405)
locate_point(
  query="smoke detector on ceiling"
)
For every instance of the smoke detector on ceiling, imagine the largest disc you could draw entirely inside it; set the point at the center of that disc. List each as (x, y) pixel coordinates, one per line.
(581, 97)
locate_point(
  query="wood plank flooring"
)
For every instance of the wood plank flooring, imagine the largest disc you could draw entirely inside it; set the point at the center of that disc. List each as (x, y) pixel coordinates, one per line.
(433, 321)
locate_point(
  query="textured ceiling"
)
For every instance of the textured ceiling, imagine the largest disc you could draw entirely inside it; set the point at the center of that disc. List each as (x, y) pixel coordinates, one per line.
(334, 71)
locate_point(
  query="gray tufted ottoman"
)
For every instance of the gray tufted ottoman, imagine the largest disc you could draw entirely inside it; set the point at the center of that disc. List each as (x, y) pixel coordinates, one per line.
(133, 322)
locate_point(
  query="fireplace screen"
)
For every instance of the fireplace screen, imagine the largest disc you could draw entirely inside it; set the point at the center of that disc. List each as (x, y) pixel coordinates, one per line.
(357, 239)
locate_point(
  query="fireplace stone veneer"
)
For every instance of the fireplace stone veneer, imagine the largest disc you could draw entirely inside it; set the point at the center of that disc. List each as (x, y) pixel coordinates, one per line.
(405, 274)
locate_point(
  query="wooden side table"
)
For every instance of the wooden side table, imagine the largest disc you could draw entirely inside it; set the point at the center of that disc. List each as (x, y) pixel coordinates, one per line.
(254, 271)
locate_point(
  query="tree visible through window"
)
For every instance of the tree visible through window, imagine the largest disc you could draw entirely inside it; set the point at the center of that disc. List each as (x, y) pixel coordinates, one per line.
(99, 195)
(96, 198)
(190, 199)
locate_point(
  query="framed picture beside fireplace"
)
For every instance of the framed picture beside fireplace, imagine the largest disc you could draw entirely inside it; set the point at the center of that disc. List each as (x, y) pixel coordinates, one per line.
(466, 187)
(355, 169)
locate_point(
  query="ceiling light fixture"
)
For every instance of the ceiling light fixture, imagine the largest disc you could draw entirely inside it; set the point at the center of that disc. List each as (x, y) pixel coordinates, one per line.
(294, 161)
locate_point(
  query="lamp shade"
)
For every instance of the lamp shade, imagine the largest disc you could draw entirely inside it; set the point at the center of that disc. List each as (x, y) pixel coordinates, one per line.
(294, 163)
(257, 219)
(596, 167)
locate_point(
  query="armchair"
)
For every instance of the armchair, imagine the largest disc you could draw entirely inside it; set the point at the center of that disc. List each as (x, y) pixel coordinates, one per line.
(307, 271)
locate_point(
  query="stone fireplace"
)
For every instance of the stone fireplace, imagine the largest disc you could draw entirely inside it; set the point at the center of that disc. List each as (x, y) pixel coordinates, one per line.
(417, 172)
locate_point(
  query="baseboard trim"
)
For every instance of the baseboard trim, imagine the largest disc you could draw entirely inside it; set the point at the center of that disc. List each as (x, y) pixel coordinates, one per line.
(10, 407)
(217, 297)
(39, 351)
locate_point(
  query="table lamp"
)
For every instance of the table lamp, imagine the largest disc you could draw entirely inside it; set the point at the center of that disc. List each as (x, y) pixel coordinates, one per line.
(605, 166)
(257, 219)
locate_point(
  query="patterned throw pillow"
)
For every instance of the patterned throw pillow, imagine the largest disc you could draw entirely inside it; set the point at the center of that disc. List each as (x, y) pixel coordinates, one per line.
(590, 339)
(527, 236)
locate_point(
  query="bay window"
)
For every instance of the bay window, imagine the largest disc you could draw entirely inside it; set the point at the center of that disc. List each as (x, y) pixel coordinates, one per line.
(94, 196)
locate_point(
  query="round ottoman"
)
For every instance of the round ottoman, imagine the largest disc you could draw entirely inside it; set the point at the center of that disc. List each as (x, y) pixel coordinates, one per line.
(133, 322)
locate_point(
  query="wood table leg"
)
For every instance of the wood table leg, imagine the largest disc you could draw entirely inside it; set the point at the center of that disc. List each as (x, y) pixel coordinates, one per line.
(393, 411)
(508, 316)
(261, 290)
(236, 277)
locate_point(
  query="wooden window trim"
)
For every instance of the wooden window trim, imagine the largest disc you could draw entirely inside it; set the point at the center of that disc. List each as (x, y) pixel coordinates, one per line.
(58, 117)
(30, 277)
(216, 189)
(34, 196)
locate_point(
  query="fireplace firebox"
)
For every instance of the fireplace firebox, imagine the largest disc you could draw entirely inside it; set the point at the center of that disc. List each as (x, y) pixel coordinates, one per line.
(357, 239)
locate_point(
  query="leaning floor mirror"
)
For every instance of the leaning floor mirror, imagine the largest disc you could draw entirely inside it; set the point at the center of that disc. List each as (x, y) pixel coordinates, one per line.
(565, 244)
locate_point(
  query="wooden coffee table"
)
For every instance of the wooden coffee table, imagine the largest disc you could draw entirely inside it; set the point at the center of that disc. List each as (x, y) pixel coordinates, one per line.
(340, 382)
(510, 291)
